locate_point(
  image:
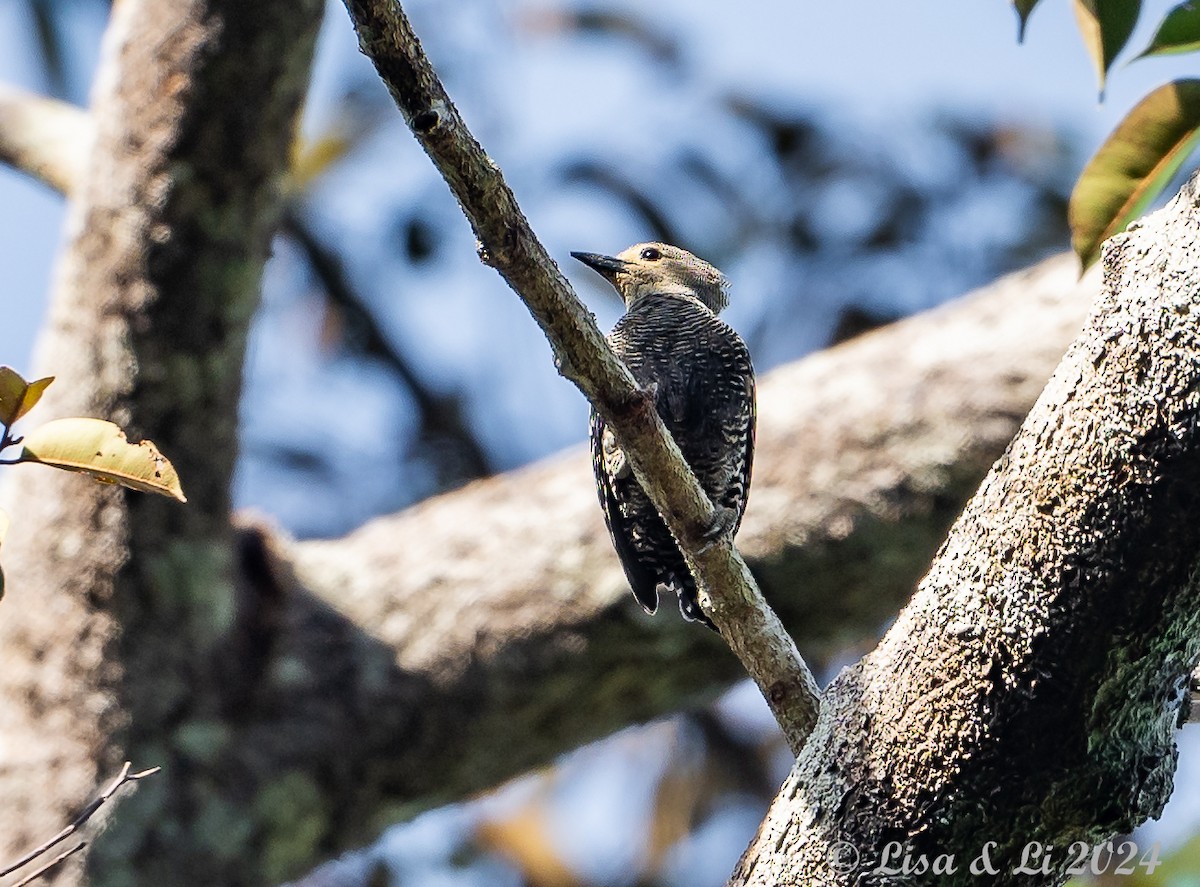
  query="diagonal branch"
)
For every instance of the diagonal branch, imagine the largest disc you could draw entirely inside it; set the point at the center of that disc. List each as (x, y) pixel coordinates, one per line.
(509, 245)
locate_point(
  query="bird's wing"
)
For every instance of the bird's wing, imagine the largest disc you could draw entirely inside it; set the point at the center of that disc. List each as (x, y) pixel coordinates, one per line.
(729, 426)
(642, 581)
(740, 488)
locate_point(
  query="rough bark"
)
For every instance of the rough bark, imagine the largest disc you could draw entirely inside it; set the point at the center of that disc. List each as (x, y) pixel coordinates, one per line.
(1032, 689)
(501, 608)
(120, 608)
(728, 592)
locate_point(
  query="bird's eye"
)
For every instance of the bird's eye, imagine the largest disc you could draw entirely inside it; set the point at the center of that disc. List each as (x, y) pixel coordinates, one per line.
(650, 254)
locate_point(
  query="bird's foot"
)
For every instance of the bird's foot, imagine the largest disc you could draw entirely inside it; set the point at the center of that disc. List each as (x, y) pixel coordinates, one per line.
(723, 522)
(689, 606)
(614, 457)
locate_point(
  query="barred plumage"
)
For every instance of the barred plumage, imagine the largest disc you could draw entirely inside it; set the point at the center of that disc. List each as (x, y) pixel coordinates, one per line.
(700, 373)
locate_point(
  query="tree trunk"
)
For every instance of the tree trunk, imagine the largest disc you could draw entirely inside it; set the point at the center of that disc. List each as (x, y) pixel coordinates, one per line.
(1029, 695)
(117, 627)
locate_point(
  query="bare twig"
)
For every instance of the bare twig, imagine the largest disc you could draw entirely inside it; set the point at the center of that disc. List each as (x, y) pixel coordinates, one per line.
(509, 245)
(84, 815)
(34, 875)
(45, 138)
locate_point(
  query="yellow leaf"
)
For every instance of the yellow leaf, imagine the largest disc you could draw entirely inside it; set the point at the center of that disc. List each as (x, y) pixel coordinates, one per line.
(100, 449)
(18, 397)
(312, 158)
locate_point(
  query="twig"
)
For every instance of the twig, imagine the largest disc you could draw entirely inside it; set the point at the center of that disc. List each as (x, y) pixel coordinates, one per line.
(7, 438)
(509, 245)
(87, 813)
(34, 875)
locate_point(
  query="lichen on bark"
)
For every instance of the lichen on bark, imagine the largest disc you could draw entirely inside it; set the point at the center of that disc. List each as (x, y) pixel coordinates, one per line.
(1031, 690)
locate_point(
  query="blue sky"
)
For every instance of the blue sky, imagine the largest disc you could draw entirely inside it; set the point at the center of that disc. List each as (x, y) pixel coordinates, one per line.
(877, 58)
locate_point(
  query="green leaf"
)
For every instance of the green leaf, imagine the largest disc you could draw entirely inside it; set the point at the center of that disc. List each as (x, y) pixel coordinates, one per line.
(1133, 165)
(1024, 8)
(100, 449)
(18, 397)
(1106, 26)
(1178, 33)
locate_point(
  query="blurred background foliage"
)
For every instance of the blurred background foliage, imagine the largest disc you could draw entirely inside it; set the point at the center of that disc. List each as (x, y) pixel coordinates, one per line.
(387, 365)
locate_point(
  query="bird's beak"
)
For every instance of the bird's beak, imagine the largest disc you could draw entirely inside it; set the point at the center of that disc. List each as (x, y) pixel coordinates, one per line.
(605, 265)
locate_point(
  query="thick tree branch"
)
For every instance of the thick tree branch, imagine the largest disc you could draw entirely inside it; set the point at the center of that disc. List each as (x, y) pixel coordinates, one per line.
(119, 609)
(499, 613)
(1032, 689)
(45, 138)
(509, 245)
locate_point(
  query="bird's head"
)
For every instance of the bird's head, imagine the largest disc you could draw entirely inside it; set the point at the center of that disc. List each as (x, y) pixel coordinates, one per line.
(660, 268)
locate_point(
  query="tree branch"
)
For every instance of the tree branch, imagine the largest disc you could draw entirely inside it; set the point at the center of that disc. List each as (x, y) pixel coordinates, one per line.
(1032, 689)
(76, 824)
(504, 619)
(508, 244)
(45, 138)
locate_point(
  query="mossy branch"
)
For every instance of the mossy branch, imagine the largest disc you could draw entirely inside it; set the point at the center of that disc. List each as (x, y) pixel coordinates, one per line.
(1032, 690)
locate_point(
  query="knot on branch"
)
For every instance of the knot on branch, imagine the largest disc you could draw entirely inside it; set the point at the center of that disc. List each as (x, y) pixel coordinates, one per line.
(638, 405)
(425, 121)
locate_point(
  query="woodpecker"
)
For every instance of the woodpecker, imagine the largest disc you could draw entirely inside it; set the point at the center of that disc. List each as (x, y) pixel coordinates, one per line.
(699, 373)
